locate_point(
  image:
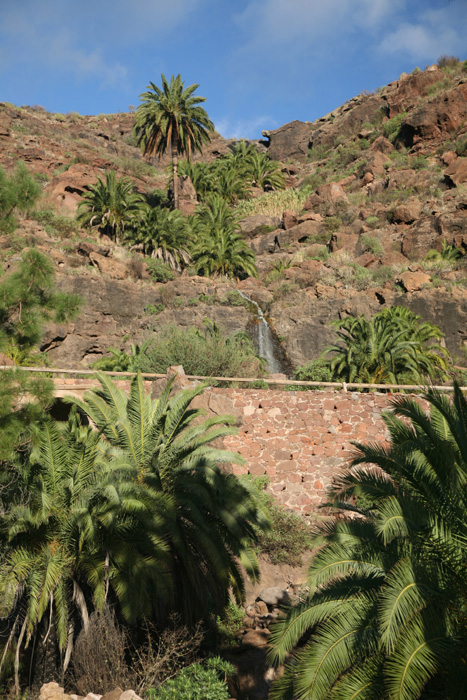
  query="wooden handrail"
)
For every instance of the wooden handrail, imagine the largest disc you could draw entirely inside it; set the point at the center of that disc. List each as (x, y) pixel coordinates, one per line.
(275, 382)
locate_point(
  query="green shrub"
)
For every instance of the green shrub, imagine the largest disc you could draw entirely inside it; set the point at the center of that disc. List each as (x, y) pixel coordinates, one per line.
(372, 245)
(202, 681)
(159, 270)
(332, 223)
(464, 66)
(290, 534)
(18, 193)
(208, 354)
(392, 127)
(55, 224)
(448, 61)
(229, 624)
(41, 177)
(438, 87)
(314, 371)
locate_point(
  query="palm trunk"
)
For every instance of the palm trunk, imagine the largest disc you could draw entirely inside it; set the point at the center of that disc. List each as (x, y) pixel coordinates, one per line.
(175, 174)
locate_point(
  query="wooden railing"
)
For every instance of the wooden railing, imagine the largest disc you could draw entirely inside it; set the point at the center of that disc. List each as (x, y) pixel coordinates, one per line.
(342, 386)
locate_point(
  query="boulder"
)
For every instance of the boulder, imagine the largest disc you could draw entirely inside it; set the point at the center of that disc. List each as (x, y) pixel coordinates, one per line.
(289, 219)
(273, 597)
(382, 144)
(66, 189)
(413, 281)
(456, 173)
(113, 694)
(436, 119)
(261, 608)
(129, 695)
(418, 239)
(256, 638)
(326, 194)
(367, 260)
(291, 140)
(344, 241)
(188, 200)
(408, 212)
(259, 224)
(109, 267)
(375, 163)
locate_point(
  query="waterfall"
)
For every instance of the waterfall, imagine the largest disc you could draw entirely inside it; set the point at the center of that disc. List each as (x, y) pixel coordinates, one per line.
(266, 347)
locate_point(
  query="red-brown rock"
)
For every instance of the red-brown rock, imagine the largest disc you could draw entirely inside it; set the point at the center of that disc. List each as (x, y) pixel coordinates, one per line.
(456, 173)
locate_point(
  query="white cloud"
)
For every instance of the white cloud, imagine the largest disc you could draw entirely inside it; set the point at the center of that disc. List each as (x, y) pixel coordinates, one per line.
(435, 33)
(244, 128)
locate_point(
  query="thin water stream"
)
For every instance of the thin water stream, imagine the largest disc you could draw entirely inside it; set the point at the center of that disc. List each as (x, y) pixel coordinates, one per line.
(266, 344)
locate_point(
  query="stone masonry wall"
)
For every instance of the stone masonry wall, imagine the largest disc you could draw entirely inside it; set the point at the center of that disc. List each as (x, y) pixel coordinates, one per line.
(299, 439)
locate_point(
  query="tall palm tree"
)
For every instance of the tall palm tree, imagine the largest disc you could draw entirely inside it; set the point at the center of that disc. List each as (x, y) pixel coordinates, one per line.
(208, 516)
(111, 206)
(391, 347)
(386, 616)
(220, 249)
(170, 119)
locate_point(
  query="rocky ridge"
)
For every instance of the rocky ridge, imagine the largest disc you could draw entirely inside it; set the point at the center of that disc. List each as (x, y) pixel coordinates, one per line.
(372, 188)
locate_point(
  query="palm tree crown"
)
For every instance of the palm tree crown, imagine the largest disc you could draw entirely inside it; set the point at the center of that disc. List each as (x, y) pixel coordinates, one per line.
(386, 616)
(171, 119)
(391, 347)
(220, 249)
(112, 205)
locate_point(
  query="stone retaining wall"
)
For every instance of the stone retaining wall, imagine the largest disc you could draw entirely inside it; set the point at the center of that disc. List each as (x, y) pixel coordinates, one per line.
(300, 440)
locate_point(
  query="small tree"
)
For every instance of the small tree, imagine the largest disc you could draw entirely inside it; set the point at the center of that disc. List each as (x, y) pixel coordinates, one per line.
(19, 193)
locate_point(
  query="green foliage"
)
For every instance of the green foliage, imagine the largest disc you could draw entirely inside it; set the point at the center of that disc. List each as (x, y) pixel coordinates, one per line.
(448, 252)
(372, 244)
(437, 87)
(18, 193)
(394, 346)
(119, 360)
(232, 176)
(392, 127)
(171, 119)
(27, 299)
(134, 167)
(461, 146)
(202, 681)
(111, 206)
(386, 613)
(208, 354)
(332, 224)
(229, 624)
(55, 224)
(165, 235)
(159, 270)
(290, 534)
(314, 371)
(196, 522)
(275, 203)
(219, 248)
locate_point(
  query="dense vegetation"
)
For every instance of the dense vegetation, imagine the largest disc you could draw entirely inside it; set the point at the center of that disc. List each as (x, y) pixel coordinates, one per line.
(386, 612)
(137, 514)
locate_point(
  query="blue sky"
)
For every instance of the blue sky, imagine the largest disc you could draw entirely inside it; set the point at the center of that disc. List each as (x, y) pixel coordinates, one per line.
(259, 63)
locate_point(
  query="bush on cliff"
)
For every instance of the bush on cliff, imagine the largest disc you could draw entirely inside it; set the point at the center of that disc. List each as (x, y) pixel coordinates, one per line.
(211, 353)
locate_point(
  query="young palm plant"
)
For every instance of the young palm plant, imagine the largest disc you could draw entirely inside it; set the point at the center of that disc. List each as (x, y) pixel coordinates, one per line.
(393, 346)
(164, 234)
(386, 616)
(208, 516)
(111, 206)
(68, 529)
(219, 248)
(171, 119)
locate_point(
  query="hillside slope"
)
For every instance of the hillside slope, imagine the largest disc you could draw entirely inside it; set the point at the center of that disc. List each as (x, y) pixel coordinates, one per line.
(372, 188)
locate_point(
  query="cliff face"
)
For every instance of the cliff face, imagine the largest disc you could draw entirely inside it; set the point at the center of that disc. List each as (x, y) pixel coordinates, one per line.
(373, 187)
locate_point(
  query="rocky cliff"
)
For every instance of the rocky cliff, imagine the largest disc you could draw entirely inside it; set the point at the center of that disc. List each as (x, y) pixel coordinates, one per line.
(373, 188)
